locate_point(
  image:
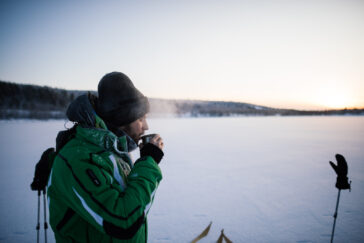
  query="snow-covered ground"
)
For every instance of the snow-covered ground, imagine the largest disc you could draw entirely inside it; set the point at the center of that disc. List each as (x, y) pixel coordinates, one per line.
(261, 179)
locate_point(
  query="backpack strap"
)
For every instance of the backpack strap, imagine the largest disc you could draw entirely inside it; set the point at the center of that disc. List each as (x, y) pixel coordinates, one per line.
(64, 137)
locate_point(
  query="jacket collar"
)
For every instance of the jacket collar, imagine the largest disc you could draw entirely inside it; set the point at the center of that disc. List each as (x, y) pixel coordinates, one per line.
(94, 130)
(103, 138)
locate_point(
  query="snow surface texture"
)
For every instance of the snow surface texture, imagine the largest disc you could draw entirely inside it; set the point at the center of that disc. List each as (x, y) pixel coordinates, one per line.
(261, 179)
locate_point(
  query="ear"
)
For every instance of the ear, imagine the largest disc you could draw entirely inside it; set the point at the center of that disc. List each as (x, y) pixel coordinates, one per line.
(126, 129)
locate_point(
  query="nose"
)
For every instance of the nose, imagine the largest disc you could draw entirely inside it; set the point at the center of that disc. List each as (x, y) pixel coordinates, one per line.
(145, 125)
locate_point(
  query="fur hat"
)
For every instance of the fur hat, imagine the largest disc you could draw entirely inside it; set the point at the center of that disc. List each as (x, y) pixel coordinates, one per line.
(119, 102)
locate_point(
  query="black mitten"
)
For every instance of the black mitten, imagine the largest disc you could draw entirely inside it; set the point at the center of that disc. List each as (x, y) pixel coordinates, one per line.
(152, 150)
(341, 170)
(42, 170)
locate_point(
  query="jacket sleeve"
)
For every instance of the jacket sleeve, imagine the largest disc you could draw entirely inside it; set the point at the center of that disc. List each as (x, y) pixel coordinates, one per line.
(93, 194)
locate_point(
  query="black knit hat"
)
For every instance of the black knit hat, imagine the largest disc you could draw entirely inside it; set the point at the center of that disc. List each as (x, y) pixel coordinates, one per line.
(119, 102)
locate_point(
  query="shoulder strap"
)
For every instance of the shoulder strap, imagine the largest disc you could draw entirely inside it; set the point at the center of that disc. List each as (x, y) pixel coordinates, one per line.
(64, 137)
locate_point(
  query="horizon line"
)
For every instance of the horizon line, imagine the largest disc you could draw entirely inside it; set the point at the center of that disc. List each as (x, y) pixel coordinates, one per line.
(283, 107)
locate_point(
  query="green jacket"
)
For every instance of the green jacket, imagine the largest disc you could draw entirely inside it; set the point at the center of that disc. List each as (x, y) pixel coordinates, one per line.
(96, 194)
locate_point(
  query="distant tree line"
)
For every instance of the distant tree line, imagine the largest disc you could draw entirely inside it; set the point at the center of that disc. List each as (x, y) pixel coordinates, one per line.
(42, 102)
(31, 101)
(221, 108)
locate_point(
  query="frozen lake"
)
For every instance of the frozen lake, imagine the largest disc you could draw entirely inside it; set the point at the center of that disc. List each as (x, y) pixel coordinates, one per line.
(261, 179)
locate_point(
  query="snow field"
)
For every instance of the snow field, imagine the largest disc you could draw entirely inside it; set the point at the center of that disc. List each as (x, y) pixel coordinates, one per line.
(261, 179)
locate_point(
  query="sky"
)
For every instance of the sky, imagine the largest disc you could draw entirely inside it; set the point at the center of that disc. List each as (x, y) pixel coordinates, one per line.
(285, 54)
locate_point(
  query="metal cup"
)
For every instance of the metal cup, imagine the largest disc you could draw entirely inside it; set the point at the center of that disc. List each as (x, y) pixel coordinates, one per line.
(146, 138)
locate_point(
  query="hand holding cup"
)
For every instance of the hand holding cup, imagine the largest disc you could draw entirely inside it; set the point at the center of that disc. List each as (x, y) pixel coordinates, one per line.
(154, 139)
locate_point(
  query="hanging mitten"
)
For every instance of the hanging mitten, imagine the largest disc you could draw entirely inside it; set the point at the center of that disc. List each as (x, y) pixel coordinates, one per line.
(42, 170)
(341, 170)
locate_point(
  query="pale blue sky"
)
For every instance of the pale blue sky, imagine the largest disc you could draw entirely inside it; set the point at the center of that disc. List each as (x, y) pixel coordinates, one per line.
(290, 54)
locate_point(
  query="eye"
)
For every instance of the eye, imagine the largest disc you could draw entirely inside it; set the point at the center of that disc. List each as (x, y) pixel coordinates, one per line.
(142, 119)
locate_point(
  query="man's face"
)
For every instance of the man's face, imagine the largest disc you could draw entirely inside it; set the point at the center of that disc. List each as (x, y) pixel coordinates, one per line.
(136, 129)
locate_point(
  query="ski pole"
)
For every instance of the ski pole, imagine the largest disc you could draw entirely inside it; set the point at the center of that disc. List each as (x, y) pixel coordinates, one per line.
(45, 215)
(38, 220)
(342, 183)
(335, 216)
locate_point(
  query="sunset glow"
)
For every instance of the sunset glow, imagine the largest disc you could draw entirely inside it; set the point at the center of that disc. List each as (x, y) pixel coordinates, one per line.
(337, 98)
(286, 54)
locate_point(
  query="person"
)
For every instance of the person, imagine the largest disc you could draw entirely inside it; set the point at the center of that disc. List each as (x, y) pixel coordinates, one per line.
(95, 192)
